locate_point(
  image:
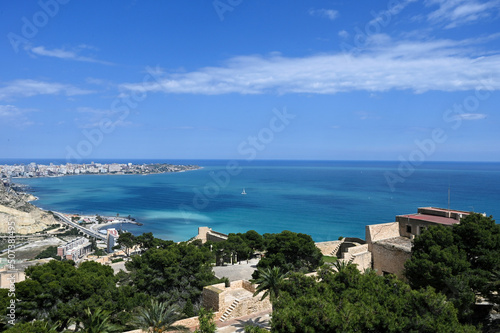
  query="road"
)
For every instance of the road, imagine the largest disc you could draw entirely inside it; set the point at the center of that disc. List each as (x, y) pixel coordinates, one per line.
(79, 227)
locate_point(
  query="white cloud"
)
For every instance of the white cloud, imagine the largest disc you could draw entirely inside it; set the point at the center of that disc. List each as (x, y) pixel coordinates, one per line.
(384, 17)
(330, 14)
(14, 116)
(472, 116)
(9, 111)
(438, 65)
(343, 34)
(65, 54)
(28, 88)
(458, 12)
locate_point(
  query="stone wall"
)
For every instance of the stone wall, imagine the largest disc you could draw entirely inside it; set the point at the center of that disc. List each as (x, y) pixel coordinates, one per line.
(213, 297)
(188, 322)
(326, 248)
(250, 305)
(376, 232)
(363, 260)
(389, 259)
(5, 277)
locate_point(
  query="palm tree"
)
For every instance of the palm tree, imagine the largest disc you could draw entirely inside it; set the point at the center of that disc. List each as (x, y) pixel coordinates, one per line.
(270, 280)
(159, 317)
(98, 322)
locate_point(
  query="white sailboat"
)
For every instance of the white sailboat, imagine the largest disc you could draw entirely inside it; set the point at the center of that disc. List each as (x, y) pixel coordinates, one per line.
(243, 192)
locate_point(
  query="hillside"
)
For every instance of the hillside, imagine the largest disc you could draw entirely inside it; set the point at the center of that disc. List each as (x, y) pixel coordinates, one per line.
(14, 207)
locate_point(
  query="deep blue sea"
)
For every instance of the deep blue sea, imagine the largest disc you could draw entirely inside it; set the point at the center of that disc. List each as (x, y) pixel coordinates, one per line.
(325, 199)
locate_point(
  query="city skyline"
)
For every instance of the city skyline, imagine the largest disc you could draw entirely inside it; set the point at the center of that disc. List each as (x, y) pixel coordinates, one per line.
(333, 80)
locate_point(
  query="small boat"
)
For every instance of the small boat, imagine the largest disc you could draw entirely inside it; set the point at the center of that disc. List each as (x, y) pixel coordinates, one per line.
(243, 192)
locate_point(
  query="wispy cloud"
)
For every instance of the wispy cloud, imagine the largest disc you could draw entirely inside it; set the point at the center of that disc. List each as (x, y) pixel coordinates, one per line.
(28, 88)
(330, 14)
(419, 66)
(14, 116)
(394, 9)
(66, 54)
(92, 117)
(453, 13)
(472, 116)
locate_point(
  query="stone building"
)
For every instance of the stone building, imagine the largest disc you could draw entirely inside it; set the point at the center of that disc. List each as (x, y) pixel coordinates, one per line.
(390, 243)
(207, 234)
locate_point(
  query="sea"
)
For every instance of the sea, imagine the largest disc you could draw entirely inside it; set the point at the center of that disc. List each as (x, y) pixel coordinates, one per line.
(325, 199)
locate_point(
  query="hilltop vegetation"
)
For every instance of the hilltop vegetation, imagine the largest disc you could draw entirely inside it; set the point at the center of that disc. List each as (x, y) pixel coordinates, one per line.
(448, 266)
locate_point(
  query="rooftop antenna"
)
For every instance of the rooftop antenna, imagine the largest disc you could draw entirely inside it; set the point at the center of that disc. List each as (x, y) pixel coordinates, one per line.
(449, 214)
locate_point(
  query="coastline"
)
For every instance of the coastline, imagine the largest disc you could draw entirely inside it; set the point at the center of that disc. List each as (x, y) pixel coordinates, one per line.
(110, 174)
(99, 227)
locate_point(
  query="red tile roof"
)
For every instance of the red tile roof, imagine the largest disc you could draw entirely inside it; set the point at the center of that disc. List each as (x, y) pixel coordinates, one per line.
(431, 218)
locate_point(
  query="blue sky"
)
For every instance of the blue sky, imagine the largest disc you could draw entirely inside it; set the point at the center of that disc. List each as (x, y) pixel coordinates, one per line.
(331, 80)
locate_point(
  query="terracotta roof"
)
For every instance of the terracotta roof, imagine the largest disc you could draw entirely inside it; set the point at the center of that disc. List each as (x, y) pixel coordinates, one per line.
(431, 218)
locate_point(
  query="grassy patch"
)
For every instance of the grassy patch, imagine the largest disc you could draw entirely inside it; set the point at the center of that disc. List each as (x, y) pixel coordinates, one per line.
(329, 259)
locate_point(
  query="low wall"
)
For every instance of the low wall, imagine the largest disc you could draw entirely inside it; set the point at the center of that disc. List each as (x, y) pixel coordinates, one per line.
(188, 322)
(250, 305)
(376, 232)
(357, 249)
(363, 260)
(326, 248)
(213, 298)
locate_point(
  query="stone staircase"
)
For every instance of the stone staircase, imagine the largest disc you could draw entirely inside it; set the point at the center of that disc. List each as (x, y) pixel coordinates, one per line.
(336, 248)
(230, 309)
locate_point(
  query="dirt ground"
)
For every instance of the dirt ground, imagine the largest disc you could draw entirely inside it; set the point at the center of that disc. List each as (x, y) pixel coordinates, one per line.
(32, 249)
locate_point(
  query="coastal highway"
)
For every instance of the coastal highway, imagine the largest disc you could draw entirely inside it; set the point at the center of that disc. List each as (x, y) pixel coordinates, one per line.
(79, 227)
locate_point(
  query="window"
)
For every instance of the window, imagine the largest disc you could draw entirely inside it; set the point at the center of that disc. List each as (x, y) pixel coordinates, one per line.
(422, 229)
(408, 228)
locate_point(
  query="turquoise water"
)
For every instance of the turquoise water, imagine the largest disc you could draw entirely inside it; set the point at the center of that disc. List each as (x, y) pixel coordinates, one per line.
(325, 199)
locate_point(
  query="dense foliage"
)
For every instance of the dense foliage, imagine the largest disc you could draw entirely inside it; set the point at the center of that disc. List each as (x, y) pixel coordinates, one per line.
(91, 294)
(176, 273)
(240, 246)
(50, 252)
(460, 262)
(349, 301)
(58, 291)
(291, 252)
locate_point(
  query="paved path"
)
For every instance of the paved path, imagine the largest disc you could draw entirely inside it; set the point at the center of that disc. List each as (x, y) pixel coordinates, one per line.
(261, 319)
(237, 271)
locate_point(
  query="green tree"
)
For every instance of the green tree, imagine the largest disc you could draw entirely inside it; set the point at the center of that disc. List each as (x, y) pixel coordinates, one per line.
(458, 261)
(254, 240)
(58, 291)
(291, 252)
(207, 324)
(348, 301)
(178, 272)
(147, 241)
(126, 240)
(97, 321)
(50, 252)
(270, 281)
(158, 317)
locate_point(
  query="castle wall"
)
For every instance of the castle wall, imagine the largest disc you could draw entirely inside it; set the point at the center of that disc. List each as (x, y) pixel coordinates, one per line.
(390, 259)
(376, 232)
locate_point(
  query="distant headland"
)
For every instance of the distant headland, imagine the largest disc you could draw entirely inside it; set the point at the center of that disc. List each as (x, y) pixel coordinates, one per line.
(34, 170)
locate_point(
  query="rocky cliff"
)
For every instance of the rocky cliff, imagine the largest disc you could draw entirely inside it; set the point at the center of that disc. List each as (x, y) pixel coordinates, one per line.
(27, 218)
